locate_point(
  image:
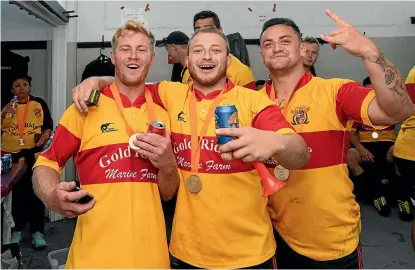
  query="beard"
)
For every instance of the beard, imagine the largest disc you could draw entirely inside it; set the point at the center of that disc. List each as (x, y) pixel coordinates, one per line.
(209, 79)
(132, 78)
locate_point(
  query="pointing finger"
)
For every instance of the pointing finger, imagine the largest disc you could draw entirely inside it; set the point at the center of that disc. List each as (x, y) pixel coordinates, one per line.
(336, 18)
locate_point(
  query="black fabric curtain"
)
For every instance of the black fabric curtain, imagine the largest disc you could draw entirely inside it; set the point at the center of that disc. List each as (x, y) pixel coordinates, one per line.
(11, 64)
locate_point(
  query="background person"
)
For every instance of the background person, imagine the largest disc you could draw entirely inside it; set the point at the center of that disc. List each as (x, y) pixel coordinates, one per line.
(373, 146)
(312, 51)
(237, 72)
(23, 135)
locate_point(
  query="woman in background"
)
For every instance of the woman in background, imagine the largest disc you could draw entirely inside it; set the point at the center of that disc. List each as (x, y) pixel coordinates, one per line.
(26, 127)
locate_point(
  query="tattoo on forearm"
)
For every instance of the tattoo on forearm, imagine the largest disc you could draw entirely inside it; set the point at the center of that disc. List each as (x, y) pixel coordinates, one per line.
(395, 88)
(393, 77)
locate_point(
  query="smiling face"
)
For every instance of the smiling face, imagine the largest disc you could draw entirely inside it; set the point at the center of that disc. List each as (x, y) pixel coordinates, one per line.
(281, 48)
(208, 58)
(132, 57)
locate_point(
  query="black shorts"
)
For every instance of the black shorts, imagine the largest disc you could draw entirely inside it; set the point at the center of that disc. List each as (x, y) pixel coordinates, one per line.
(269, 264)
(287, 258)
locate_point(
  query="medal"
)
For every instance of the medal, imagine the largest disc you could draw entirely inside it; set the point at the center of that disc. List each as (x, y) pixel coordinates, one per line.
(375, 135)
(21, 121)
(194, 184)
(128, 127)
(281, 173)
(131, 142)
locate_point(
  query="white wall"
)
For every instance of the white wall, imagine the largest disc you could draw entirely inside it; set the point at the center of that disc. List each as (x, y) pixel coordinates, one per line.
(18, 25)
(38, 70)
(377, 19)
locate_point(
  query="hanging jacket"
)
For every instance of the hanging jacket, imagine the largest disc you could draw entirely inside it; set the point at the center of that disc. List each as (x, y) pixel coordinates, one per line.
(238, 48)
(101, 66)
(11, 64)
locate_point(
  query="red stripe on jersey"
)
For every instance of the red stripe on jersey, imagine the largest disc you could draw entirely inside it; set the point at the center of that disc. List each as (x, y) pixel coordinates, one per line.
(154, 90)
(64, 145)
(328, 148)
(113, 163)
(250, 85)
(349, 101)
(271, 119)
(410, 88)
(210, 159)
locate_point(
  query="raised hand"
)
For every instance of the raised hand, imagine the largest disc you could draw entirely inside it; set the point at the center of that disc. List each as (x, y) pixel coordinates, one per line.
(347, 36)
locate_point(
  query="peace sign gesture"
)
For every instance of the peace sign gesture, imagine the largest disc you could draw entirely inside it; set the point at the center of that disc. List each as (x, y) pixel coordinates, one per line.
(349, 38)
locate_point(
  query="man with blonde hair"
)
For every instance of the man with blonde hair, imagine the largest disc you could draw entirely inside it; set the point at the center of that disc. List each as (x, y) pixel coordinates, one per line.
(123, 227)
(220, 219)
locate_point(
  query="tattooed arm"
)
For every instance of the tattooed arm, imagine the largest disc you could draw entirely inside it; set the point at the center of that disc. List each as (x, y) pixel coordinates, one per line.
(392, 103)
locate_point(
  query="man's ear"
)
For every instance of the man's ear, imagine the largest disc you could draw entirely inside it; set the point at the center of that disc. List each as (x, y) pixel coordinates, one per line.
(303, 50)
(113, 57)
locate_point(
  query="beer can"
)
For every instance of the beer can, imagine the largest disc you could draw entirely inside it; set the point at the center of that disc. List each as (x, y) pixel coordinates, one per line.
(48, 143)
(226, 116)
(93, 98)
(157, 127)
(5, 164)
(9, 160)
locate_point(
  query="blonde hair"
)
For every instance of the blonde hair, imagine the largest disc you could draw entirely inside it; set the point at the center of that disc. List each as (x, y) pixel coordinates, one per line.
(135, 26)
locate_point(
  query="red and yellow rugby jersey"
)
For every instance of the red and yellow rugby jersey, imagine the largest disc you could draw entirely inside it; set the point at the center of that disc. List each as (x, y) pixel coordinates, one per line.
(237, 72)
(368, 134)
(38, 119)
(226, 224)
(126, 228)
(405, 143)
(317, 212)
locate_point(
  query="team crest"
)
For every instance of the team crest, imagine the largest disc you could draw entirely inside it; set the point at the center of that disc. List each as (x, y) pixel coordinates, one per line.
(300, 115)
(37, 112)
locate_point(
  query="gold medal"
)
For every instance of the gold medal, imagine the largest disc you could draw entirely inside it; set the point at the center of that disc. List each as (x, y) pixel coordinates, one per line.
(131, 142)
(375, 135)
(194, 184)
(281, 173)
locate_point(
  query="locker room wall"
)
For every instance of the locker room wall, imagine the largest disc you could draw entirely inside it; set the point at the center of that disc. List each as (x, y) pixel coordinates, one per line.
(392, 31)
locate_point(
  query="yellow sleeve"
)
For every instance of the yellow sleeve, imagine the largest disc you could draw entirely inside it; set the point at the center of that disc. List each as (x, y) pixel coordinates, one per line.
(66, 141)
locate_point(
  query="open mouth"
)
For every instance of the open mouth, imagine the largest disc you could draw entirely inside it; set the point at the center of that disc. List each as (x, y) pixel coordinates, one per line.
(133, 66)
(207, 67)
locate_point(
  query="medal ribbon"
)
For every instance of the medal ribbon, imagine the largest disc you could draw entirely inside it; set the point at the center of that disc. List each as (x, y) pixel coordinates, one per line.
(273, 97)
(195, 158)
(21, 121)
(150, 108)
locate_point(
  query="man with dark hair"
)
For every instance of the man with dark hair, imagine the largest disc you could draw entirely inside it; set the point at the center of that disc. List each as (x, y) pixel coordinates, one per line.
(176, 46)
(237, 72)
(317, 219)
(206, 18)
(220, 219)
(312, 48)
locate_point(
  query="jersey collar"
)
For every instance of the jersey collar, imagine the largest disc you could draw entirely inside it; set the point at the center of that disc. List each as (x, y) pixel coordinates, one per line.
(124, 99)
(200, 96)
(302, 82)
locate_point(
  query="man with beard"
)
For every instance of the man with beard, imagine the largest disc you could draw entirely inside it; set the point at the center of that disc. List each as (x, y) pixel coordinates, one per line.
(317, 219)
(123, 227)
(221, 219)
(237, 72)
